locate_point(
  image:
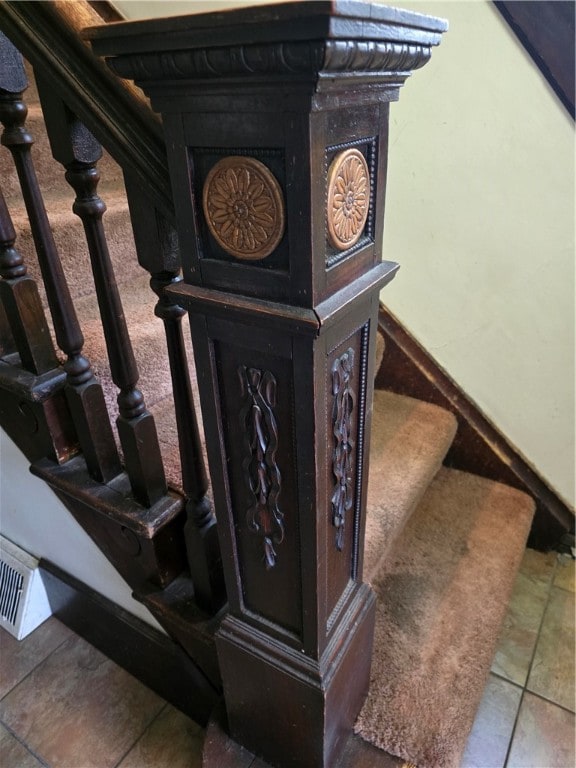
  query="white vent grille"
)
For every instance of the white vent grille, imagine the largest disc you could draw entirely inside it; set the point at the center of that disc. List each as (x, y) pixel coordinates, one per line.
(11, 583)
(23, 601)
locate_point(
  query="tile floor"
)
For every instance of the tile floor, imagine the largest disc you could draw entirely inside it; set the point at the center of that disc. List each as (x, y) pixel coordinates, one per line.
(65, 705)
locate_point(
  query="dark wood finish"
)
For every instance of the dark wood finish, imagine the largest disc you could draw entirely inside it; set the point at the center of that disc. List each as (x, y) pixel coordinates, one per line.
(144, 544)
(7, 343)
(175, 608)
(546, 30)
(106, 10)
(256, 105)
(48, 35)
(84, 394)
(76, 149)
(21, 301)
(221, 751)
(146, 653)
(34, 412)
(478, 446)
(157, 248)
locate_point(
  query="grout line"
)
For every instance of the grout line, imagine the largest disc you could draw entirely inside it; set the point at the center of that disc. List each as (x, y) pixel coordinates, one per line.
(146, 727)
(544, 612)
(524, 688)
(549, 701)
(513, 734)
(22, 743)
(31, 671)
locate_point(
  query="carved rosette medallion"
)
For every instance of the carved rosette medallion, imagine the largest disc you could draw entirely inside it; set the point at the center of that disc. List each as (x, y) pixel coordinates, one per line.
(348, 198)
(344, 399)
(244, 207)
(260, 430)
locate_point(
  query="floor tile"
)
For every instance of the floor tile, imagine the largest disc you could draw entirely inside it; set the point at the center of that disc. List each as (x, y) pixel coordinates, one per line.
(19, 657)
(552, 673)
(171, 741)
(522, 623)
(13, 754)
(492, 729)
(564, 576)
(79, 709)
(544, 736)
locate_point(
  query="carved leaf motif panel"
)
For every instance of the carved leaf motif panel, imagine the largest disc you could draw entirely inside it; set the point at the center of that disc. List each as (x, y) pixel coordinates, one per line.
(256, 415)
(343, 454)
(258, 424)
(346, 387)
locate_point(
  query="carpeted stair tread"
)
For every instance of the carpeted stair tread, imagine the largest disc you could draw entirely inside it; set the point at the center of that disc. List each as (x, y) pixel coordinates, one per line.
(409, 441)
(71, 245)
(149, 344)
(165, 419)
(49, 172)
(146, 333)
(442, 597)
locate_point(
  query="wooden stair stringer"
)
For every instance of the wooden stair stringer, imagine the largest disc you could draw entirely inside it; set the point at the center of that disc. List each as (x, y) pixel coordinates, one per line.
(34, 412)
(143, 544)
(175, 609)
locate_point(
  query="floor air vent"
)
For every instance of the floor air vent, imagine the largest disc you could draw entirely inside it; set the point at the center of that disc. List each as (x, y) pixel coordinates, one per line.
(23, 600)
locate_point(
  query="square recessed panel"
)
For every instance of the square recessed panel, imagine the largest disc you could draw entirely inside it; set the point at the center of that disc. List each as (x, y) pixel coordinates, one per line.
(367, 149)
(202, 162)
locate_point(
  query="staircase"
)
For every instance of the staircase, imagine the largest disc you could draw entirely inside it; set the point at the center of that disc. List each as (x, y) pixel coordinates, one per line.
(442, 546)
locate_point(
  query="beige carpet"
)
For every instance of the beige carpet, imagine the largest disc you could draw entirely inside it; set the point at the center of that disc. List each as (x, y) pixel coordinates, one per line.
(409, 441)
(442, 547)
(442, 596)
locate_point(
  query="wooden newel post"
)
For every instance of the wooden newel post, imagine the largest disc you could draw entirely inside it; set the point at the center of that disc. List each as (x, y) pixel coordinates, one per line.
(276, 121)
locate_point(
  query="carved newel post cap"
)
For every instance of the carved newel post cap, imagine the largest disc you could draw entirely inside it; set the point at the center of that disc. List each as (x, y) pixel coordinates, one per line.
(276, 125)
(321, 39)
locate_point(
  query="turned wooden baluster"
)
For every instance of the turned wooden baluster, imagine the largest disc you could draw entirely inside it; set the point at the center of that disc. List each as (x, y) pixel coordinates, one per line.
(157, 248)
(21, 303)
(83, 392)
(78, 151)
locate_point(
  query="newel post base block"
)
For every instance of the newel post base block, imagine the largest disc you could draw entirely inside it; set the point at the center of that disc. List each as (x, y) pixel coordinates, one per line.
(276, 120)
(319, 700)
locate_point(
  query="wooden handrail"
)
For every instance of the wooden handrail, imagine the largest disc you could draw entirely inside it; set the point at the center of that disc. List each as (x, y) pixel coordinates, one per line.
(119, 116)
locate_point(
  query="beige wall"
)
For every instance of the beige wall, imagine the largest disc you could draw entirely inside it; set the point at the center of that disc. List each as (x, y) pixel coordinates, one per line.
(480, 215)
(34, 519)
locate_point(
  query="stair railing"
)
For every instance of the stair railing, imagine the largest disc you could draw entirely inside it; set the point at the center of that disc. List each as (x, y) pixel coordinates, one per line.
(74, 114)
(84, 394)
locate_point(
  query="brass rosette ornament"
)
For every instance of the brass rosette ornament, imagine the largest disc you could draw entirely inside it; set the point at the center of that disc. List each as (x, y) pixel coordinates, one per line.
(244, 207)
(348, 198)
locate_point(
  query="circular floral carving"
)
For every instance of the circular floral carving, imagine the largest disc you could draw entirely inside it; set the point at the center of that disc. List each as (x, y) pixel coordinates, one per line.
(244, 207)
(348, 198)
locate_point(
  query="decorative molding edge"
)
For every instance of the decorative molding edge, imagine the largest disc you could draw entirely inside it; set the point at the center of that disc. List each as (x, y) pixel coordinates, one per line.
(478, 447)
(309, 57)
(262, 474)
(360, 439)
